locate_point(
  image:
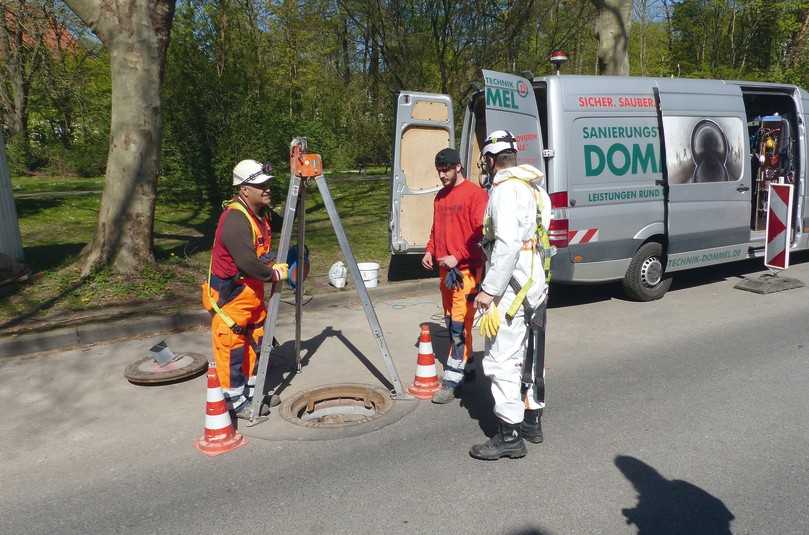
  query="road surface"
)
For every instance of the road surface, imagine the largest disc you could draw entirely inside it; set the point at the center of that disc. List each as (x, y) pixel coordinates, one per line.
(685, 415)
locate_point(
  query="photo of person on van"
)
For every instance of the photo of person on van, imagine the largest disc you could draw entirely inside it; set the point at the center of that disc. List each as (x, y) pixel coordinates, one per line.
(700, 150)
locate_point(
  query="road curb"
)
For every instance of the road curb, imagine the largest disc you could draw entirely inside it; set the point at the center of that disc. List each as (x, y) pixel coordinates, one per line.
(98, 331)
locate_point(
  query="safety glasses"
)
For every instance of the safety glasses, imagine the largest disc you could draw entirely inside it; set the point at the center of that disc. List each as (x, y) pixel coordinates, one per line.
(265, 186)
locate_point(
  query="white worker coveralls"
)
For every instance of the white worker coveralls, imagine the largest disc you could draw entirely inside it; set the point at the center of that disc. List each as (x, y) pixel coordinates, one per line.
(511, 221)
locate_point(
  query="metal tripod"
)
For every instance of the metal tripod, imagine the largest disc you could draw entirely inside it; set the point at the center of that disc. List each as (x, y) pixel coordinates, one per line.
(295, 203)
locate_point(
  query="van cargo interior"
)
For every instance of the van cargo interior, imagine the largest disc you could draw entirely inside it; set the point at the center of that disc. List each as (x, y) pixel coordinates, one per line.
(772, 124)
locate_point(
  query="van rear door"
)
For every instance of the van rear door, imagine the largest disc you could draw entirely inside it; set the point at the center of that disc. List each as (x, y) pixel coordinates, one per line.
(707, 168)
(424, 126)
(511, 105)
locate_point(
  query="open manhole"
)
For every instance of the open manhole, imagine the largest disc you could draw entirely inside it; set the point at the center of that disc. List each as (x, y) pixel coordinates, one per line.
(336, 406)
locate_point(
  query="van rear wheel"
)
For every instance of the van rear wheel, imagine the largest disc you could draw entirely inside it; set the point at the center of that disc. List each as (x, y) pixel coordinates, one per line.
(645, 279)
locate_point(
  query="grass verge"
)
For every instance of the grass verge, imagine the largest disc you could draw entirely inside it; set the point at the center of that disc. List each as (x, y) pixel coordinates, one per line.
(56, 228)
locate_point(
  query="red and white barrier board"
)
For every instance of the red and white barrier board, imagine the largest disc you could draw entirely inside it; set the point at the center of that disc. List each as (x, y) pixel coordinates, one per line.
(779, 223)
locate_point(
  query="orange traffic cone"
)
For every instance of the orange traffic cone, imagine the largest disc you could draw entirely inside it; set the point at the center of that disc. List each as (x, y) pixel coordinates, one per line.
(220, 436)
(426, 382)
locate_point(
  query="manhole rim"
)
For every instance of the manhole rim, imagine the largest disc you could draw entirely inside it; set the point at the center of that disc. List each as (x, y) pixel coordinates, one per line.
(288, 413)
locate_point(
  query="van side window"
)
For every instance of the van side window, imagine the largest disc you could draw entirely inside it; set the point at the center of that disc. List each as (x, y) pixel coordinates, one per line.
(704, 149)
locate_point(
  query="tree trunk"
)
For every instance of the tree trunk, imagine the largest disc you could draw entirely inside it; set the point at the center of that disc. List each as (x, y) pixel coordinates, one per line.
(136, 32)
(612, 30)
(345, 36)
(10, 242)
(20, 125)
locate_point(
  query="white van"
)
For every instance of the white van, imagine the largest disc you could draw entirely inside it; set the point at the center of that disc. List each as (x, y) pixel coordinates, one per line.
(647, 176)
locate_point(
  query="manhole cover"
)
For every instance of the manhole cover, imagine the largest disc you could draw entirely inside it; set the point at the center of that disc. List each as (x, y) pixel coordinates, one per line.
(148, 372)
(336, 406)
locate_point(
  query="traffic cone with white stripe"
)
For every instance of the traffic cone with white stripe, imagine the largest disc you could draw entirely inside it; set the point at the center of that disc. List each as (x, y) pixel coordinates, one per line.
(426, 382)
(220, 436)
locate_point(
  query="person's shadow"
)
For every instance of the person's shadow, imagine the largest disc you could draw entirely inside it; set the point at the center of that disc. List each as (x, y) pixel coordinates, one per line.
(475, 395)
(668, 507)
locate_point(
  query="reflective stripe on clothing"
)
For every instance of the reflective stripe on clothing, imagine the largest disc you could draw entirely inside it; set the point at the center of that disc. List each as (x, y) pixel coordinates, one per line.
(241, 302)
(236, 358)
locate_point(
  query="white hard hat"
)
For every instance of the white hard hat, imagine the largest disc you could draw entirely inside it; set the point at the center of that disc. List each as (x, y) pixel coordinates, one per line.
(499, 141)
(251, 172)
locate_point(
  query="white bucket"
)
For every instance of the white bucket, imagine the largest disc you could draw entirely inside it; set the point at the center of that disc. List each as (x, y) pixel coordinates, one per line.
(370, 273)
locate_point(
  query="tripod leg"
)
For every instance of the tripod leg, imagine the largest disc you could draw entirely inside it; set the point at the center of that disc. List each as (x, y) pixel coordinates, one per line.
(275, 299)
(300, 274)
(368, 307)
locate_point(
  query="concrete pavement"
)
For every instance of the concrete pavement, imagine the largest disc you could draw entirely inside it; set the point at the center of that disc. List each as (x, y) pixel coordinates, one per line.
(685, 415)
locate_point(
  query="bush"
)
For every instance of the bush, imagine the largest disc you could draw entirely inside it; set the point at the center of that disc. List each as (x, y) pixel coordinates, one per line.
(16, 157)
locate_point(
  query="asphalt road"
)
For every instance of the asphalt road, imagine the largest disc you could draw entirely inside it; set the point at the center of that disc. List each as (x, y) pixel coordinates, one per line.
(685, 415)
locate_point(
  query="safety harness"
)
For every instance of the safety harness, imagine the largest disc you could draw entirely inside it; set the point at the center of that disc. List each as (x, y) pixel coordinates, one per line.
(541, 238)
(232, 325)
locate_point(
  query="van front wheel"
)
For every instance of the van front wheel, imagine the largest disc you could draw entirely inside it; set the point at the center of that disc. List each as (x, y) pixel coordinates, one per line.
(645, 279)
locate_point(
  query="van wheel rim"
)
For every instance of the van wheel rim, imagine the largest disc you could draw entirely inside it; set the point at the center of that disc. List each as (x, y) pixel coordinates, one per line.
(651, 272)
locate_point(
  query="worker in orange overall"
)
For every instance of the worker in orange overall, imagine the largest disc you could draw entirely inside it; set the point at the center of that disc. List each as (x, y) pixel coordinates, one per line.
(240, 265)
(454, 244)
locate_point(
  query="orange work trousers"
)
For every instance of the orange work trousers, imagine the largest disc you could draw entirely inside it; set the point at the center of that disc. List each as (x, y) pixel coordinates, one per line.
(459, 314)
(236, 351)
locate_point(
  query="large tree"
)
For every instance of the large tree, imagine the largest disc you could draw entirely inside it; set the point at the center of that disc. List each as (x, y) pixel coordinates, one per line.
(22, 27)
(612, 31)
(136, 33)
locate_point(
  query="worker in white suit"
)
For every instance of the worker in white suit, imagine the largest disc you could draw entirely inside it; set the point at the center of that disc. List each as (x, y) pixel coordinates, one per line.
(515, 240)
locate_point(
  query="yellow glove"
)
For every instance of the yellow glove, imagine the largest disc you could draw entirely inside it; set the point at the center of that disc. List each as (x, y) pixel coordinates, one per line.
(280, 272)
(490, 322)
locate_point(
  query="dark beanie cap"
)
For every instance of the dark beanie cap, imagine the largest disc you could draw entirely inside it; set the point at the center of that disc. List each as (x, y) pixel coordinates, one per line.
(447, 158)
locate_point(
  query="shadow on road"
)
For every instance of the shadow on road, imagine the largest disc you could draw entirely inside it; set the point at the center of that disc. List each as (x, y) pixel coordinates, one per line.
(668, 507)
(408, 267)
(565, 295)
(529, 531)
(476, 396)
(283, 367)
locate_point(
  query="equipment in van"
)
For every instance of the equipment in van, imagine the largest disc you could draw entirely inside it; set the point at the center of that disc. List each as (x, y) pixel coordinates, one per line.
(773, 147)
(646, 176)
(306, 168)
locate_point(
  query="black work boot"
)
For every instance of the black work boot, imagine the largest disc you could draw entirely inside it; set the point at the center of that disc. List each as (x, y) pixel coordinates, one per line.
(506, 443)
(531, 426)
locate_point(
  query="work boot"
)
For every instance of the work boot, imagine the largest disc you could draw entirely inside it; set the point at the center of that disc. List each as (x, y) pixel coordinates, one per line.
(272, 400)
(506, 443)
(445, 394)
(531, 426)
(245, 410)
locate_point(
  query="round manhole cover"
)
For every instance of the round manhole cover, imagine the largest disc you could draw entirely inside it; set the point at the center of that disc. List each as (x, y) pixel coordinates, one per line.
(336, 406)
(147, 371)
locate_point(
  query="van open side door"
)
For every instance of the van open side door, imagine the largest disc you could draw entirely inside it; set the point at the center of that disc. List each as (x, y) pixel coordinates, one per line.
(802, 194)
(706, 156)
(511, 105)
(424, 126)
